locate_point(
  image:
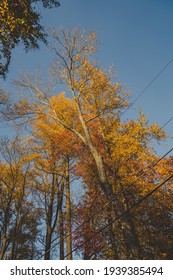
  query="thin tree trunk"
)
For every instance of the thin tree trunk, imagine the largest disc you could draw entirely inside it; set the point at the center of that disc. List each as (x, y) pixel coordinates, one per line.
(4, 239)
(13, 250)
(68, 213)
(61, 232)
(4, 246)
(49, 228)
(61, 218)
(48, 243)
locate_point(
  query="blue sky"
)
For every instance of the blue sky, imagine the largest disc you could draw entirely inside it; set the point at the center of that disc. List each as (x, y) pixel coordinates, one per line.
(137, 39)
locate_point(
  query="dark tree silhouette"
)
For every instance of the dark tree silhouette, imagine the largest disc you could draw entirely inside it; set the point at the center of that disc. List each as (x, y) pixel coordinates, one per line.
(20, 22)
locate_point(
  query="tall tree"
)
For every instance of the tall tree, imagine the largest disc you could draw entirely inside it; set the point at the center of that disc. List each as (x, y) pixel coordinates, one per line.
(131, 164)
(52, 176)
(18, 222)
(112, 153)
(49, 186)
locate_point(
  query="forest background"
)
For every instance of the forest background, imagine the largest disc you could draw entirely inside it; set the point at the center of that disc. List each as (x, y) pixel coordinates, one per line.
(137, 41)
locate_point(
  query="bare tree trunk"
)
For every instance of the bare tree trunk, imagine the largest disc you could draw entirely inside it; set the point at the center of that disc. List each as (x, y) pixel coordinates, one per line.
(3, 235)
(4, 242)
(13, 249)
(68, 213)
(48, 242)
(61, 218)
(61, 233)
(49, 220)
(87, 140)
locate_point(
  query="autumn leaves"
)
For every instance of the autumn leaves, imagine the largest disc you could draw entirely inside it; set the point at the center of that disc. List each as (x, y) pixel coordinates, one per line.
(77, 133)
(20, 22)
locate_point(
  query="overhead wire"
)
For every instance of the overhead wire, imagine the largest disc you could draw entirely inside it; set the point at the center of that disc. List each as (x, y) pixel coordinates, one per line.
(121, 215)
(117, 194)
(167, 122)
(108, 203)
(150, 83)
(139, 95)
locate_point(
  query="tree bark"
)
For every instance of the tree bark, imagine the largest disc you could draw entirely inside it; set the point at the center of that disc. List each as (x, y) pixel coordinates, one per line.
(4, 241)
(49, 220)
(68, 213)
(48, 243)
(61, 233)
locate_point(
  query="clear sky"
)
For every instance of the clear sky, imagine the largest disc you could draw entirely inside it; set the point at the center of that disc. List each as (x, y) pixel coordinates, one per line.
(137, 39)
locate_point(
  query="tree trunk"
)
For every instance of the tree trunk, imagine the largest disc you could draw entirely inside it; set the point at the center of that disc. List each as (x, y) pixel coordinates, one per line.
(4, 241)
(112, 234)
(49, 227)
(135, 242)
(61, 233)
(68, 213)
(5, 224)
(61, 219)
(128, 231)
(48, 243)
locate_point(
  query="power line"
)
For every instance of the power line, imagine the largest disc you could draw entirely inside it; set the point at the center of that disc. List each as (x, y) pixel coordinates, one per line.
(140, 94)
(143, 91)
(117, 194)
(148, 139)
(150, 83)
(167, 122)
(107, 204)
(124, 213)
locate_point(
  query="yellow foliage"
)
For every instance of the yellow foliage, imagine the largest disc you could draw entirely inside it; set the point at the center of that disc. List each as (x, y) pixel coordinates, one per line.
(9, 21)
(65, 109)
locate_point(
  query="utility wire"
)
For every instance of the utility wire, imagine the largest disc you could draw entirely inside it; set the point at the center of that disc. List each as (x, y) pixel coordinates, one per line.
(148, 139)
(167, 122)
(107, 204)
(117, 194)
(143, 91)
(150, 83)
(124, 213)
